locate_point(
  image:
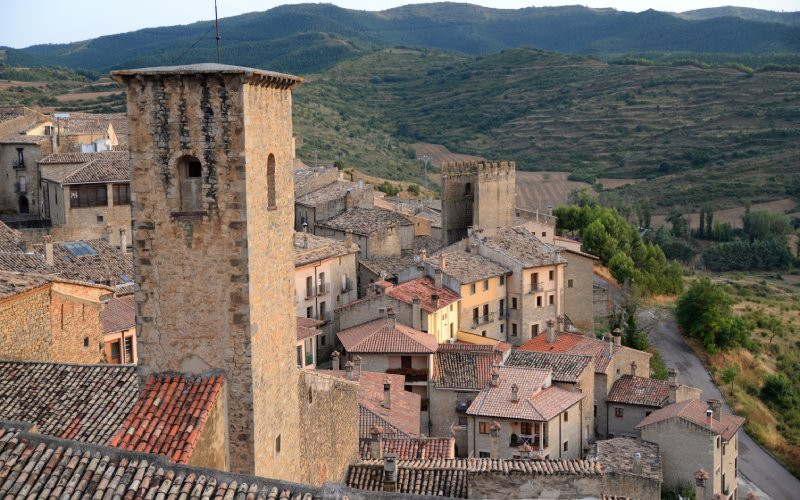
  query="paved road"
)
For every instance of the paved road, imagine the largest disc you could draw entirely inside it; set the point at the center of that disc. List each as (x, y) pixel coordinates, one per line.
(756, 465)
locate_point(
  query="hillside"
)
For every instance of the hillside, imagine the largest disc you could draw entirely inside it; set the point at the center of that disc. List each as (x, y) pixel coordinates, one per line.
(312, 37)
(690, 131)
(764, 16)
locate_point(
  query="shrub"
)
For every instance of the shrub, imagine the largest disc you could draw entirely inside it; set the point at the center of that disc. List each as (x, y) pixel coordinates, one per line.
(704, 313)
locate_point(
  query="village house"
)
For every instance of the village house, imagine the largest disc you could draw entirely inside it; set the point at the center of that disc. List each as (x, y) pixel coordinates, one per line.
(421, 448)
(16, 254)
(693, 435)
(45, 318)
(569, 371)
(425, 214)
(521, 413)
(385, 345)
(119, 330)
(308, 330)
(92, 261)
(611, 361)
(87, 196)
(321, 193)
(633, 398)
(325, 278)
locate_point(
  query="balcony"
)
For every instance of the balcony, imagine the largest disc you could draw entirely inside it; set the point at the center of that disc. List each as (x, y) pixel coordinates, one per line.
(19, 164)
(503, 314)
(482, 320)
(536, 287)
(411, 374)
(529, 439)
(323, 288)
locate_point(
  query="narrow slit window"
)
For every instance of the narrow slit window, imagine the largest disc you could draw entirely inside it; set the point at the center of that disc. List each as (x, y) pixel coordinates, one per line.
(271, 205)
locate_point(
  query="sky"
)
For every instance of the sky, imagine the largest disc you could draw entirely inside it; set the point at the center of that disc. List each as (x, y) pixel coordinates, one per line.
(59, 21)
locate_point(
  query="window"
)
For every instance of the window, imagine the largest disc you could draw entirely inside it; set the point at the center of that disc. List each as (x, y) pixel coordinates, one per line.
(309, 286)
(115, 351)
(484, 454)
(24, 204)
(534, 281)
(91, 195)
(451, 330)
(310, 312)
(539, 301)
(86, 344)
(462, 421)
(534, 330)
(483, 333)
(322, 339)
(472, 289)
(513, 329)
(513, 302)
(486, 312)
(475, 315)
(271, 204)
(526, 428)
(544, 234)
(483, 427)
(566, 416)
(20, 157)
(99, 219)
(299, 356)
(278, 445)
(322, 311)
(128, 349)
(552, 299)
(570, 284)
(502, 279)
(467, 189)
(122, 194)
(502, 328)
(23, 184)
(551, 275)
(718, 441)
(502, 307)
(78, 248)
(485, 285)
(191, 184)
(566, 445)
(618, 412)
(405, 362)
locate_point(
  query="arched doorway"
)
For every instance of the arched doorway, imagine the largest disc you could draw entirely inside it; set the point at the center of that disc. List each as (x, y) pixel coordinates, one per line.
(24, 207)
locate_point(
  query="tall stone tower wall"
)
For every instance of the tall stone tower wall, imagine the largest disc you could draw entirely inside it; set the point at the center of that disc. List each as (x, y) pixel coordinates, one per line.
(477, 194)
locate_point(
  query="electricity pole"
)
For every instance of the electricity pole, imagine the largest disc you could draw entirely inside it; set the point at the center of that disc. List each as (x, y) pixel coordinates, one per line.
(425, 159)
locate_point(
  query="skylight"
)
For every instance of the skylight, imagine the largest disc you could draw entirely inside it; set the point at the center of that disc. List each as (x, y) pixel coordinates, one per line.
(78, 248)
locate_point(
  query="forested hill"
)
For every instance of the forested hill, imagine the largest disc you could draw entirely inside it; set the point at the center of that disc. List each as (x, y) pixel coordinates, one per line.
(311, 37)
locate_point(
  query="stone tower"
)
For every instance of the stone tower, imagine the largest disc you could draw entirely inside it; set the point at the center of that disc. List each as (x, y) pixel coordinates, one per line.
(476, 194)
(212, 181)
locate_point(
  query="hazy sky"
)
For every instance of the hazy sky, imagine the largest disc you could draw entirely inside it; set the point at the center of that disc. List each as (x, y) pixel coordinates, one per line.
(56, 21)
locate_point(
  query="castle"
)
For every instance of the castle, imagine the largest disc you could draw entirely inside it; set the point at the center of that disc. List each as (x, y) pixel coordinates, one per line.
(478, 194)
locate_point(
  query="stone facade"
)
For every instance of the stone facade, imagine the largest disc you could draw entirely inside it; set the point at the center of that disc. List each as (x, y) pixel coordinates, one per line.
(210, 450)
(476, 194)
(86, 223)
(212, 191)
(578, 290)
(19, 190)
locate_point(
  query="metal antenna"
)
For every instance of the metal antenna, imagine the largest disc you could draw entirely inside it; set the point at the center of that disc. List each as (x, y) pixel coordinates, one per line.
(216, 25)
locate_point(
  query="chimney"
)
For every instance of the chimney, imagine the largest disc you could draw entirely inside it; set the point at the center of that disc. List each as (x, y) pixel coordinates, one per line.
(390, 472)
(617, 334)
(637, 463)
(392, 317)
(304, 243)
(514, 393)
(348, 239)
(48, 250)
(423, 254)
(107, 233)
(376, 442)
(387, 394)
(416, 313)
(715, 405)
(348, 369)
(123, 240)
(348, 201)
(361, 184)
(633, 368)
(551, 333)
(610, 343)
(700, 479)
(435, 300)
(495, 377)
(335, 360)
(357, 366)
(672, 376)
(442, 262)
(709, 417)
(437, 279)
(673, 393)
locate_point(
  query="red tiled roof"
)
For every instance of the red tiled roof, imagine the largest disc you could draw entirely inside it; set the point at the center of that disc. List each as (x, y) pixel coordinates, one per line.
(379, 337)
(572, 343)
(530, 382)
(424, 289)
(412, 448)
(694, 411)
(307, 327)
(639, 391)
(119, 313)
(169, 415)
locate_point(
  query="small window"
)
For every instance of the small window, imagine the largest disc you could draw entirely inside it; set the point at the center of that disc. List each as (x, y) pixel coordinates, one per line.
(462, 421)
(115, 351)
(539, 301)
(513, 329)
(193, 169)
(566, 416)
(322, 340)
(99, 219)
(122, 194)
(718, 441)
(566, 445)
(534, 330)
(483, 427)
(551, 275)
(191, 184)
(278, 445)
(310, 312)
(513, 302)
(472, 289)
(570, 284)
(467, 189)
(485, 285)
(502, 279)
(483, 333)
(552, 299)
(271, 202)
(502, 329)
(451, 330)
(85, 341)
(618, 412)
(544, 234)
(484, 454)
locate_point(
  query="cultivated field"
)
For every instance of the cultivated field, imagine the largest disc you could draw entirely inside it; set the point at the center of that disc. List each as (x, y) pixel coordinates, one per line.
(609, 183)
(86, 96)
(440, 154)
(732, 216)
(544, 189)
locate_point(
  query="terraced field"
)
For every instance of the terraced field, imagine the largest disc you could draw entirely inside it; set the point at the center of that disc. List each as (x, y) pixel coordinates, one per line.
(540, 190)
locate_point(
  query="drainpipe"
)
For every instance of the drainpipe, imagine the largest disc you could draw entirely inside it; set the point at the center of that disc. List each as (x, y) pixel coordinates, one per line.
(560, 441)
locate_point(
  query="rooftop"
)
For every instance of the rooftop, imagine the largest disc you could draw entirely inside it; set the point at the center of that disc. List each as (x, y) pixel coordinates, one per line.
(565, 367)
(523, 246)
(694, 411)
(462, 370)
(380, 337)
(572, 343)
(280, 79)
(388, 267)
(307, 328)
(466, 267)
(426, 291)
(325, 194)
(309, 248)
(24, 139)
(112, 166)
(537, 399)
(412, 448)
(119, 313)
(365, 221)
(639, 391)
(14, 258)
(617, 455)
(15, 283)
(94, 261)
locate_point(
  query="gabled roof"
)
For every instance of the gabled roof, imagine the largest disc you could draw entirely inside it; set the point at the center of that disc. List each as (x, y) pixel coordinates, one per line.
(639, 391)
(15, 283)
(426, 291)
(694, 411)
(119, 313)
(536, 399)
(365, 221)
(565, 367)
(466, 267)
(100, 262)
(572, 343)
(523, 246)
(412, 448)
(109, 166)
(333, 191)
(380, 337)
(462, 370)
(308, 327)
(309, 248)
(25, 139)
(14, 259)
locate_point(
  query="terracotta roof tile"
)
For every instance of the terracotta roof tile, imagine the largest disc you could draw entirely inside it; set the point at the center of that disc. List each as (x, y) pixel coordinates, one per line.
(522, 245)
(466, 267)
(310, 248)
(462, 370)
(572, 343)
(365, 221)
(119, 313)
(639, 391)
(13, 258)
(565, 367)
(694, 411)
(617, 455)
(307, 327)
(412, 448)
(16, 283)
(106, 265)
(424, 289)
(379, 337)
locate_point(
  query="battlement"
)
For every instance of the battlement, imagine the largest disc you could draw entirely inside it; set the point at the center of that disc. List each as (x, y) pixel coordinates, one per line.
(477, 167)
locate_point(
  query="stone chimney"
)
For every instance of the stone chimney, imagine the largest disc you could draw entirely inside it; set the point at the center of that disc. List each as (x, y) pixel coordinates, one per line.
(637, 463)
(416, 313)
(335, 360)
(633, 368)
(700, 490)
(673, 393)
(387, 394)
(376, 442)
(423, 254)
(348, 370)
(514, 393)
(617, 334)
(123, 240)
(551, 332)
(442, 262)
(437, 279)
(495, 381)
(716, 406)
(435, 300)
(392, 318)
(348, 201)
(48, 250)
(709, 417)
(672, 376)
(348, 238)
(390, 472)
(304, 241)
(107, 233)
(357, 366)
(610, 343)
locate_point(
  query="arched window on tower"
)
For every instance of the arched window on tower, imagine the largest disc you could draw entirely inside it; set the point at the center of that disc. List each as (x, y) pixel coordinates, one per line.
(467, 189)
(190, 173)
(271, 205)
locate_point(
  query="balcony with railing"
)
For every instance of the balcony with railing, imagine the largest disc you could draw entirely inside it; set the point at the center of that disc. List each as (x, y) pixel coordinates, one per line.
(18, 164)
(536, 287)
(531, 440)
(411, 374)
(482, 320)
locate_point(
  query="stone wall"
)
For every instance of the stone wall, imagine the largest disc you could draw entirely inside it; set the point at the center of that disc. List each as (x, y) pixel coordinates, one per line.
(578, 298)
(10, 188)
(91, 222)
(685, 448)
(625, 426)
(25, 326)
(611, 485)
(211, 450)
(444, 417)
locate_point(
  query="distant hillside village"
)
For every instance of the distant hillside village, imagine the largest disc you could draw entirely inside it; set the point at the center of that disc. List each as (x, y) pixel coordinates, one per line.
(188, 310)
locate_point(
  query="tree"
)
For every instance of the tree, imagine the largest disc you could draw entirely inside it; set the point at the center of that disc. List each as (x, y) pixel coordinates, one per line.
(709, 224)
(700, 229)
(413, 189)
(704, 313)
(621, 267)
(764, 224)
(680, 226)
(729, 374)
